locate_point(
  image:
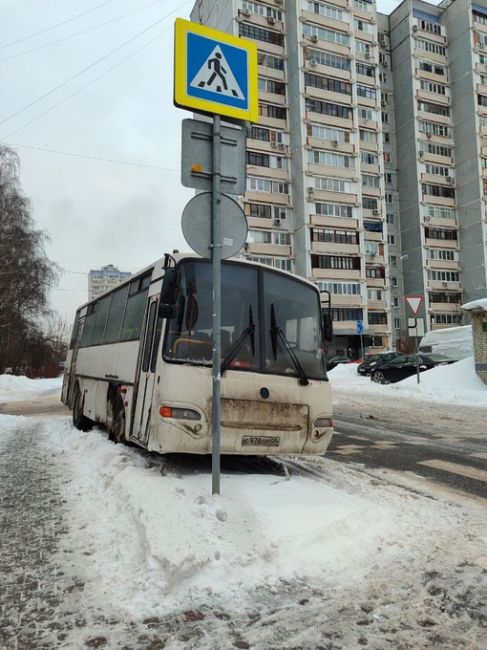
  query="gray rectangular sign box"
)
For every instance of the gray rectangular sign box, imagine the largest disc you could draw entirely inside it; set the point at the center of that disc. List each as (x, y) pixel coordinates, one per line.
(197, 157)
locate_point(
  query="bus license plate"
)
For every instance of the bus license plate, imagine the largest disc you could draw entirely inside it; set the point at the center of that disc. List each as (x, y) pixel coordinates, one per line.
(260, 441)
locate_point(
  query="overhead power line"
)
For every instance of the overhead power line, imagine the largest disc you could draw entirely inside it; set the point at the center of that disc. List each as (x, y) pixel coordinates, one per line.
(86, 85)
(83, 31)
(63, 22)
(91, 157)
(91, 65)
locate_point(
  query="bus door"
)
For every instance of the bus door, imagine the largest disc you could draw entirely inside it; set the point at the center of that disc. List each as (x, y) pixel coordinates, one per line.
(140, 428)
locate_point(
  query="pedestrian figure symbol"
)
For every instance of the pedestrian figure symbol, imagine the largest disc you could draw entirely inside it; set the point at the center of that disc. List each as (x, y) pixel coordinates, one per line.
(216, 75)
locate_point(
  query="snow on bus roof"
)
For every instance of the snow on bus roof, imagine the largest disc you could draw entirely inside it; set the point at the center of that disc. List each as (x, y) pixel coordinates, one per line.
(476, 304)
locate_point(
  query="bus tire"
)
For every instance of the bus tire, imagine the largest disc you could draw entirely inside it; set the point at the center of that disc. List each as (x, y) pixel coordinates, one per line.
(80, 421)
(116, 419)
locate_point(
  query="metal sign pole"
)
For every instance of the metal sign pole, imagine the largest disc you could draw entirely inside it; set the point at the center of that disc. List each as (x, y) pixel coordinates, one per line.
(417, 349)
(216, 252)
(362, 345)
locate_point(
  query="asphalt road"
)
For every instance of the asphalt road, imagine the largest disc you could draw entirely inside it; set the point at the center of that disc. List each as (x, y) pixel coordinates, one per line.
(452, 456)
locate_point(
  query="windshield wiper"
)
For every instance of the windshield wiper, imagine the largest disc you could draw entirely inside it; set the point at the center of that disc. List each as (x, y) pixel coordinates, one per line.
(277, 333)
(249, 332)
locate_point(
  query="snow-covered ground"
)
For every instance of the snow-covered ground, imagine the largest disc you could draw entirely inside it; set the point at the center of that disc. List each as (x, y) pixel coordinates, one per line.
(348, 560)
(455, 383)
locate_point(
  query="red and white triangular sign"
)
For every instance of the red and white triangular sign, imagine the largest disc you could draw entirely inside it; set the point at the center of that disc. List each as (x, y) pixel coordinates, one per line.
(414, 303)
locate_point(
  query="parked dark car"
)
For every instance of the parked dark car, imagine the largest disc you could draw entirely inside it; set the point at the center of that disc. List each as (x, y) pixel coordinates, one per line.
(373, 361)
(334, 361)
(404, 366)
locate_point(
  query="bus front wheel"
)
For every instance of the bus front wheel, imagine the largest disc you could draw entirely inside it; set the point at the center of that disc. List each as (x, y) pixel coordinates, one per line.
(116, 420)
(80, 421)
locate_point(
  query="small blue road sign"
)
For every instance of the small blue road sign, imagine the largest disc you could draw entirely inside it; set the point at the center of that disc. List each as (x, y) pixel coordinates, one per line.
(215, 72)
(360, 326)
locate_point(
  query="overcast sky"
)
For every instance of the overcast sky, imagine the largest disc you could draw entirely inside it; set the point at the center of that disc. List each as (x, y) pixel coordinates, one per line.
(96, 212)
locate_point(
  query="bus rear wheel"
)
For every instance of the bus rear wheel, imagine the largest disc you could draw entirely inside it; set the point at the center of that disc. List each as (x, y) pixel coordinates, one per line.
(80, 421)
(115, 420)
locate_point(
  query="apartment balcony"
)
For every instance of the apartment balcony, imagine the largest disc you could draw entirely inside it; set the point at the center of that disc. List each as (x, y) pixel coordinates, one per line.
(376, 283)
(374, 258)
(380, 329)
(432, 117)
(271, 73)
(438, 179)
(368, 81)
(482, 110)
(268, 172)
(450, 265)
(262, 21)
(267, 147)
(372, 192)
(328, 96)
(369, 169)
(431, 56)
(328, 120)
(451, 244)
(484, 172)
(368, 124)
(374, 236)
(431, 76)
(330, 248)
(425, 156)
(267, 249)
(311, 65)
(374, 215)
(272, 122)
(339, 300)
(333, 145)
(440, 285)
(434, 98)
(334, 197)
(437, 38)
(324, 21)
(367, 102)
(377, 305)
(335, 274)
(369, 146)
(444, 308)
(315, 169)
(263, 222)
(439, 222)
(272, 98)
(268, 197)
(342, 50)
(438, 200)
(481, 89)
(334, 222)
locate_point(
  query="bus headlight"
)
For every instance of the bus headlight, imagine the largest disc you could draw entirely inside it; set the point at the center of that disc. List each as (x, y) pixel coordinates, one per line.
(179, 413)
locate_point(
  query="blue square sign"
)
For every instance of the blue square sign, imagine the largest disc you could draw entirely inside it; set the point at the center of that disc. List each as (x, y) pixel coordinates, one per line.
(215, 72)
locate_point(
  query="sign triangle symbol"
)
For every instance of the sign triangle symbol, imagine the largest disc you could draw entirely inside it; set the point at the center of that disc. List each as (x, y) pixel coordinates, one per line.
(216, 75)
(414, 302)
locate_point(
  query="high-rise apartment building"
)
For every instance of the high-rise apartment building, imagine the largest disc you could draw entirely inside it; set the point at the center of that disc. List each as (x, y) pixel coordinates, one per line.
(104, 279)
(366, 170)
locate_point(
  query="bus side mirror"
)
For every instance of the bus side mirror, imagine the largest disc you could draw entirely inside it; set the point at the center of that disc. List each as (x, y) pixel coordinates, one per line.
(327, 327)
(169, 294)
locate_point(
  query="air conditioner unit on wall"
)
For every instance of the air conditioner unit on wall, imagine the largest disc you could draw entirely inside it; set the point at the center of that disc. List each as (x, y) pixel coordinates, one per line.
(415, 28)
(376, 212)
(245, 12)
(313, 62)
(450, 179)
(271, 20)
(313, 38)
(427, 217)
(277, 222)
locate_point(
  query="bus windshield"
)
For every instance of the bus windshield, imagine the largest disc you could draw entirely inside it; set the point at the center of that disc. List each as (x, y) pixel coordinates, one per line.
(271, 323)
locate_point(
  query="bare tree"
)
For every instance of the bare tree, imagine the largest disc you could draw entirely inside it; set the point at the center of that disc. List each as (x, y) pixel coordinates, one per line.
(26, 274)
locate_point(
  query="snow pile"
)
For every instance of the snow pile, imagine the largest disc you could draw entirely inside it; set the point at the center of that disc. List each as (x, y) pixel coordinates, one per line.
(16, 388)
(161, 540)
(454, 383)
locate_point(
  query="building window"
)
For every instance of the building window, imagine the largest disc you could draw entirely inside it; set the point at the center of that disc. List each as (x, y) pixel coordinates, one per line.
(368, 158)
(429, 46)
(324, 34)
(266, 185)
(270, 60)
(334, 236)
(369, 180)
(340, 288)
(262, 10)
(438, 190)
(441, 233)
(366, 91)
(335, 262)
(327, 108)
(329, 11)
(429, 66)
(369, 203)
(344, 314)
(270, 110)
(326, 83)
(327, 133)
(271, 86)
(331, 60)
(377, 318)
(333, 210)
(261, 34)
(365, 70)
(329, 158)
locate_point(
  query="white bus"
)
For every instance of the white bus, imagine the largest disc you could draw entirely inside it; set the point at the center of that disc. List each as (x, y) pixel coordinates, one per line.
(140, 360)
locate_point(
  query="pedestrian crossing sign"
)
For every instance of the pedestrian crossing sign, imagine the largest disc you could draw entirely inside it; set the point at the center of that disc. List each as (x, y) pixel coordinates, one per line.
(215, 72)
